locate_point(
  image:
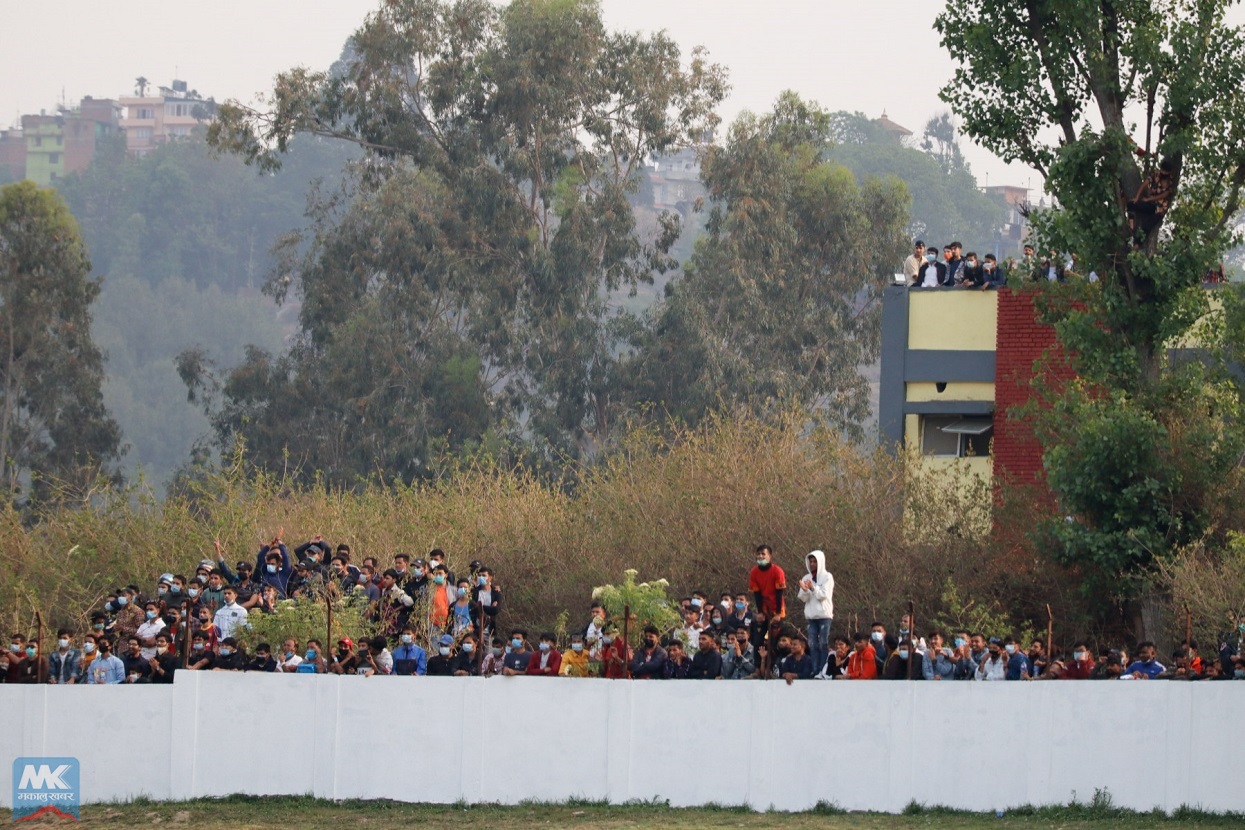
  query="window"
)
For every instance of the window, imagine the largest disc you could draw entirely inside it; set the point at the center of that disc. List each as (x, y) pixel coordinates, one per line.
(54, 158)
(38, 141)
(144, 112)
(956, 436)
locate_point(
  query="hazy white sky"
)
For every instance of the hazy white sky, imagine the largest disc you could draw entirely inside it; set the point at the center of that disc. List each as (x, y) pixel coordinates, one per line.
(867, 55)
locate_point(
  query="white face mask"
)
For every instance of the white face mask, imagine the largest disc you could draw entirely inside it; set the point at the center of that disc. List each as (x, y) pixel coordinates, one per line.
(406, 638)
(445, 651)
(88, 647)
(63, 643)
(161, 649)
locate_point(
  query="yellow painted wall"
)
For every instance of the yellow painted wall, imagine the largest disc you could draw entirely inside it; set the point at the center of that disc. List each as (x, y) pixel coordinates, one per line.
(953, 391)
(956, 319)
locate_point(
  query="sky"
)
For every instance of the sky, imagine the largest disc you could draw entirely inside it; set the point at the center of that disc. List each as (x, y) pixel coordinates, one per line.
(866, 55)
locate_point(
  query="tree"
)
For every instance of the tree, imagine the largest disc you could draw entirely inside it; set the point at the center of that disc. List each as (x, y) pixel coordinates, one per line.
(777, 305)
(54, 429)
(1134, 115)
(490, 225)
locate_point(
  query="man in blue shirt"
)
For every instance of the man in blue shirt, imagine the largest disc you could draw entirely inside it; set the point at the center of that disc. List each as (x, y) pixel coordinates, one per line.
(1145, 667)
(1017, 662)
(107, 668)
(409, 658)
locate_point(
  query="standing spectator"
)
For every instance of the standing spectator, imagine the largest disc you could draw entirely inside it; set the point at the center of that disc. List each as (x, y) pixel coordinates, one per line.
(443, 596)
(594, 630)
(817, 594)
(933, 273)
(707, 664)
(63, 662)
(955, 265)
(1037, 658)
(650, 659)
(408, 658)
(994, 666)
(797, 664)
(614, 654)
(208, 628)
(129, 613)
(462, 613)
(548, 660)
(395, 604)
(689, 633)
(107, 668)
(273, 564)
(231, 616)
(486, 601)
(912, 265)
(149, 630)
(576, 662)
(516, 659)
(740, 659)
(90, 651)
(862, 663)
(768, 585)
(740, 616)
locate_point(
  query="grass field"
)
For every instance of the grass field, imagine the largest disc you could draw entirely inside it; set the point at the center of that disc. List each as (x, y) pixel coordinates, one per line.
(242, 813)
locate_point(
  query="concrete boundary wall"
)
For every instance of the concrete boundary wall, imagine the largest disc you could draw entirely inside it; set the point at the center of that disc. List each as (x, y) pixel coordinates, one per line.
(864, 746)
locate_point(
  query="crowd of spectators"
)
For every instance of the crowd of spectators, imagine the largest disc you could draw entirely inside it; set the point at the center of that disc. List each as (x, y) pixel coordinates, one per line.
(431, 623)
(929, 266)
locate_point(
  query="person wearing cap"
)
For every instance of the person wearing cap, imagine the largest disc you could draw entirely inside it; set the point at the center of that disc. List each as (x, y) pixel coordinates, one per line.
(546, 660)
(408, 658)
(306, 581)
(316, 551)
(467, 662)
(441, 664)
(485, 602)
(345, 660)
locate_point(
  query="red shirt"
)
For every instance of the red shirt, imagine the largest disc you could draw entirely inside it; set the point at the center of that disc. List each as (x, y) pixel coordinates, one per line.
(862, 665)
(769, 583)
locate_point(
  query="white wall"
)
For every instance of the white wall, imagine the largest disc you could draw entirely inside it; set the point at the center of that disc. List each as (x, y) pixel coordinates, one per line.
(864, 746)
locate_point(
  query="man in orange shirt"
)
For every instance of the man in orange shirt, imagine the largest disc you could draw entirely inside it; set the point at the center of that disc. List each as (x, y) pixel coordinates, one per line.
(862, 663)
(768, 585)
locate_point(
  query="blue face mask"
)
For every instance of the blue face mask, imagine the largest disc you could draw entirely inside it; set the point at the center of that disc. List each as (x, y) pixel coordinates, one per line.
(311, 656)
(123, 601)
(516, 643)
(544, 646)
(439, 579)
(151, 615)
(482, 580)
(462, 592)
(959, 642)
(739, 606)
(903, 654)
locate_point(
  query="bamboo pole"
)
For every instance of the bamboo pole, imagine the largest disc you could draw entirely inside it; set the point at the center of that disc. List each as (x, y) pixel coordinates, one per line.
(1050, 635)
(39, 663)
(626, 632)
(912, 637)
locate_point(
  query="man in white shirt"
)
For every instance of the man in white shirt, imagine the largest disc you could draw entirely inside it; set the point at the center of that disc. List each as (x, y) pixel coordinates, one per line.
(288, 659)
(231, 616)
(911, 266)
(147, 632)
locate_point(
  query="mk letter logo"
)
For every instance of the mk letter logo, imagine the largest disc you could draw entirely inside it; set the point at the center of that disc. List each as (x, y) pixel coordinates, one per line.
(46, 788)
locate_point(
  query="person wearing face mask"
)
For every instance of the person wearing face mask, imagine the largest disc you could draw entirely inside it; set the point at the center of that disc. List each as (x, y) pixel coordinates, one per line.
(409, 660)
(993, 275)
(107, 668)
(546, 660)
(904, 663)
(460, 617)
(576, 661)
(768, 585)
(862, 663)
(315, 552)
(231, 616)
(485, 603)
(27, 665)
(313, 661)
(1145, 667)
(1017, 661)
(444, 595)
(90, 651)
(263, 659)
(436, 559)
(289, 658)
(493, 661)
(229, 657)
(148, 631)
(932, 273)
(136, 665)
(905, 631)
(971, 272)
(395, 605)
(877, 638)
(165, 662)
(994, 666)
(650, 659)
(518, 655)
(272, 563)
(441, 664)
(129, 612)
(345, 659)
(205, 625)
(740, 616)
(1081, 667)
(740, 658)
(201, 657)
(467, 662)
(615, 656)
(63, 661)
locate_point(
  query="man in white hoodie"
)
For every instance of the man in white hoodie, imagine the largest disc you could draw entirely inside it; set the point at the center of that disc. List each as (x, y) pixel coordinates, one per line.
(817, 592)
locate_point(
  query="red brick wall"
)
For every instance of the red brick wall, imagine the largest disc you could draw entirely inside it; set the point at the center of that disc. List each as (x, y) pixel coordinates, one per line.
(1020, 341)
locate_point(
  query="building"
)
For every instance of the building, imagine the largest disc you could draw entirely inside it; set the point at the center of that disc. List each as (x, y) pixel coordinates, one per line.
(150, 121)
(12, 155)
(896, 131)
(1015, 225)
(675, 181)
(64, 143)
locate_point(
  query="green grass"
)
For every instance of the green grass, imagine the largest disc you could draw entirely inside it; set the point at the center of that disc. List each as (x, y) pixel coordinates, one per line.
(246, 813)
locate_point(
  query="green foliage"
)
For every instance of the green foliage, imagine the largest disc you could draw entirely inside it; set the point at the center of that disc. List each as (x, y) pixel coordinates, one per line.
(53, 423)
(991, 618)
(306, 618)
(476, 252)
(777, 305)
(1140, 449)
(647, 602)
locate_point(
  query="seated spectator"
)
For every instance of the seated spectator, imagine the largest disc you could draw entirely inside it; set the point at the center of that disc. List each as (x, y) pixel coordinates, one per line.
(201, 657)
(1082, 665)
(290, 658)
(1017, 662)
(408, 658)
(345, 659)
(905, 663)
(467, 662)
(63, 661)
(263, 659)
(375, 659)
(1110, 666)
(313, 661)
(836, 661)
(739, 661)
(441, 663)
(994, 666)
(166, 663)
(940, 661)
(678, 665)
(1145, 667)
(137, 667)
(576, 662)
(493, 661)
(229, 656)
(517, 657)
(650, 659)
(862, 663)
(547, 660)
(797, 664)
(1037, 658)
(107, 668)
(707, 664)
(615, 656)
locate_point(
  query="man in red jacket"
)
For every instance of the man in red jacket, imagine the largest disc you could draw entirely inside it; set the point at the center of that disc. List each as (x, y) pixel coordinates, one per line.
(547, 659)
(862, 663)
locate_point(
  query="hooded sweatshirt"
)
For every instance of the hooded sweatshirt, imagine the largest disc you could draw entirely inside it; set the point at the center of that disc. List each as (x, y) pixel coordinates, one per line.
(818, 603)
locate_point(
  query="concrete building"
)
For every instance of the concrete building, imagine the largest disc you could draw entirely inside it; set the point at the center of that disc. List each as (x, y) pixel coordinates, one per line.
(150, 121)
(12, 155)
(675, 181)
(64, 143)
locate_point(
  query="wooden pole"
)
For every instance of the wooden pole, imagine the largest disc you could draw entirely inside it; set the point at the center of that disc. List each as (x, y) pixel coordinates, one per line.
(1050, 635)
(1188, 625)
(39, 673)
(912, 637)
(184, 628)
(627, 640)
